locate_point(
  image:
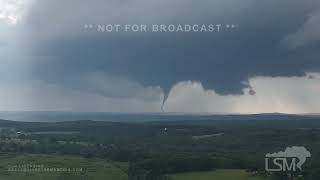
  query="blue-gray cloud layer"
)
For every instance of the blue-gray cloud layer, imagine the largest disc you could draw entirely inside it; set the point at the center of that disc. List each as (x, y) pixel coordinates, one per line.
(259, 46)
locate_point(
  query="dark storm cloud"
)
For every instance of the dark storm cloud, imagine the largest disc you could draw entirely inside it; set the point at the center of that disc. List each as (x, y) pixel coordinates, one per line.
(220, 61)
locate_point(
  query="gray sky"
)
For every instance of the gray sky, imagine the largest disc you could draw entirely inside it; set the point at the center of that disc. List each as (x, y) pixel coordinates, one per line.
(268, 63)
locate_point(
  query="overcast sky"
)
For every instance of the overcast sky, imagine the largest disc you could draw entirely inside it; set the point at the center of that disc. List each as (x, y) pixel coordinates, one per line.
(268, 63)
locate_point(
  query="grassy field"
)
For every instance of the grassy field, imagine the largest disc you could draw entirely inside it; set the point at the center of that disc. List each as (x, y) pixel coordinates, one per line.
(91, 169)
(218, 175)
(80, 168)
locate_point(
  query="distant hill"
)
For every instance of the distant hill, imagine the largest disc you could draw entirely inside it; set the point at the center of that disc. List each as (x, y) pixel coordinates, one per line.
(272, 120)
(143, 117)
